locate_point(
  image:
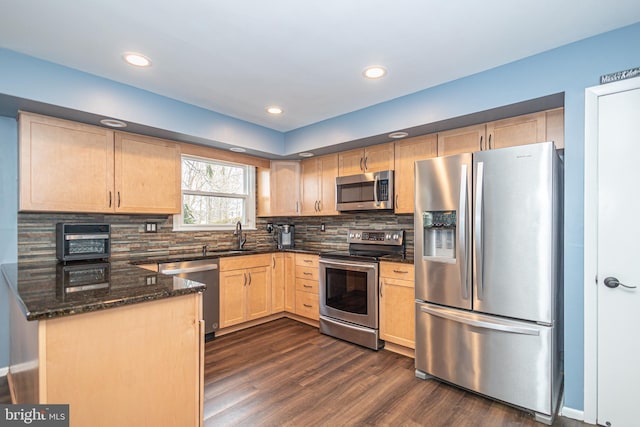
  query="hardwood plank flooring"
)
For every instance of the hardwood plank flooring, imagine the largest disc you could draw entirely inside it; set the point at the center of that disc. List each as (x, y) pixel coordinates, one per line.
(285, 373)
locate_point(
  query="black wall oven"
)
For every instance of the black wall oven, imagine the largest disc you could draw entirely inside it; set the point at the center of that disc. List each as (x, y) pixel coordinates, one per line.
(349, 306)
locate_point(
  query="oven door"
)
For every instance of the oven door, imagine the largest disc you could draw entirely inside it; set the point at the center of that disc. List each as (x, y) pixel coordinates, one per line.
(349, 291)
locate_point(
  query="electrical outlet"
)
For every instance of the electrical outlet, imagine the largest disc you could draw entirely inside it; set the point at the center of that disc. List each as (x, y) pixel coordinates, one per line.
(269, 227)
(322, 227)
(150, 227)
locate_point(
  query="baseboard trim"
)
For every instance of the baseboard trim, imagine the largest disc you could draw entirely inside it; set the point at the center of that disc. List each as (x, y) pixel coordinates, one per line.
(4, 371)
(572, 413)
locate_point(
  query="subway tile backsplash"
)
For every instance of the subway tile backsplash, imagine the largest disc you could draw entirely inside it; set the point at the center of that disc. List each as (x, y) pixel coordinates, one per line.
(36, 234)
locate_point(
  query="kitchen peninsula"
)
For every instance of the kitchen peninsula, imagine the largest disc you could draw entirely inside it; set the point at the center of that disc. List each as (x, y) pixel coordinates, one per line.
(126, 349)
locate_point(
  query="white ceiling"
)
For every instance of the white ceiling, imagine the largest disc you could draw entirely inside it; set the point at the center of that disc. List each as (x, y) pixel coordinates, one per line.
(237, 57)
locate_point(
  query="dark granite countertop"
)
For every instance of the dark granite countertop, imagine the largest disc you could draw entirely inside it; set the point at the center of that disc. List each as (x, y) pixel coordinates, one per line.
(41, 291)
(213, 254)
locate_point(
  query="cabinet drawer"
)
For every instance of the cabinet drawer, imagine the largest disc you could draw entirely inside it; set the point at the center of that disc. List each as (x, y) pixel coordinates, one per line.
(304, 285)
(245, 261)
(396, 270)
(307, 260)
(309, 273)
(307, 305)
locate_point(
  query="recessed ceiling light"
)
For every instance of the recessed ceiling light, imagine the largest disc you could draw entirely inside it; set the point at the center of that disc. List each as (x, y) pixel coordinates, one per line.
(137, 59)
(275, 110)
(113, 123)
(397, 135)
(237, 149)
(374, 72)
(305, 154)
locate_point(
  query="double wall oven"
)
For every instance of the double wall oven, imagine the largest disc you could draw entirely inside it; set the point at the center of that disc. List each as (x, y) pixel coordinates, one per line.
(349, 286)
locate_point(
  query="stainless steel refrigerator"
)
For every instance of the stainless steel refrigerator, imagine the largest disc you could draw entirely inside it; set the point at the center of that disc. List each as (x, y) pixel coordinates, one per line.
(489, 273)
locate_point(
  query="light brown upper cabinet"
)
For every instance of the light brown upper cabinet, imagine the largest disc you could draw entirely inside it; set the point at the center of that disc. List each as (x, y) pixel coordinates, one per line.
(285, 188)
(463, 140)
(369, 159)
(514, 131)
(147, 174)
(406, 153)
(72, 167)
(318, 184)
(519, 130)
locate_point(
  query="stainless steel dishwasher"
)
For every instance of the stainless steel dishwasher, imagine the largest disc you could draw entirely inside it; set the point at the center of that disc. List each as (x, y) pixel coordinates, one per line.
(204, 271)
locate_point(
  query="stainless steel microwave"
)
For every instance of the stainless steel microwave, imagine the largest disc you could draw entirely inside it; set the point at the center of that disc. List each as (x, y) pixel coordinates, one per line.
(363, 192)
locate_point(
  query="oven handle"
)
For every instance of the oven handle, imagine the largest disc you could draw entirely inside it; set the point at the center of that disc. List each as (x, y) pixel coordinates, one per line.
(346, 264)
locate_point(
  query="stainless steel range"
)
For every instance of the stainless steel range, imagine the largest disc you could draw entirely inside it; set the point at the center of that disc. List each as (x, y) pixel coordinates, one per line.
(349, 286)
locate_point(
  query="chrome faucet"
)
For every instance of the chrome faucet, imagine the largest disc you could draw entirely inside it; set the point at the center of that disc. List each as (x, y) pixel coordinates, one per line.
(238, 233)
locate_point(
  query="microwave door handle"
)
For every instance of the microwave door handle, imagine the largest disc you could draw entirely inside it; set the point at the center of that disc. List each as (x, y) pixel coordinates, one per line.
(375, 190)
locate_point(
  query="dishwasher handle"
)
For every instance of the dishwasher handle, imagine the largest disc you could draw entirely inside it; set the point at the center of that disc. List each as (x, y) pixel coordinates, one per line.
(188, 269)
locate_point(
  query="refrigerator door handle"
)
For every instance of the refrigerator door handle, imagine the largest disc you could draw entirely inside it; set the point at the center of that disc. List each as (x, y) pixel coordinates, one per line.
(495, 324)
(463, 255)
(477, 227)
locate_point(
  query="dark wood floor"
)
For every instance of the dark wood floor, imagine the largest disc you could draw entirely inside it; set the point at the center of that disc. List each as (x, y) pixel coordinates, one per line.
(285, 373)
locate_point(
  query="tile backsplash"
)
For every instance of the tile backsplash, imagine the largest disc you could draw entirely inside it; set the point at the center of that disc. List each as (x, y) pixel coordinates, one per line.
(36, 234)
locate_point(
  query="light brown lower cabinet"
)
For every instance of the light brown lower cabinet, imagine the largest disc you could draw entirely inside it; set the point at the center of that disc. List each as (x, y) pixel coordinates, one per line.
(245, 288)
(307, 302)
(397, 301)
(135, 365)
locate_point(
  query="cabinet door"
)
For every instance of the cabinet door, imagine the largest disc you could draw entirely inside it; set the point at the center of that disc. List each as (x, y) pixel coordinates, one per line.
(289, 282)
(379, 157)
(310, 186)
(397, 313)
(328, 174)
(285, 188)
(65, 166)
(277, 282)
(263, 198)
(258, 292)
(463, 140)
(406, 153)
(351, 162)
(555, 127)
(147, 175)
(232, 297)
(520, 130)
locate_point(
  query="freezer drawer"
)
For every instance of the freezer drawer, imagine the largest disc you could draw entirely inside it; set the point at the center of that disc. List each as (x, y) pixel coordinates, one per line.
(513, 361)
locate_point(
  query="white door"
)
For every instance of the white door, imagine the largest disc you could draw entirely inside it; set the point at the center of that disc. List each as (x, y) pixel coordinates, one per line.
(618, 252)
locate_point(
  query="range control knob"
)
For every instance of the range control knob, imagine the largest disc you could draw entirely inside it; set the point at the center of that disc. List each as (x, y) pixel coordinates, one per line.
(396, 236)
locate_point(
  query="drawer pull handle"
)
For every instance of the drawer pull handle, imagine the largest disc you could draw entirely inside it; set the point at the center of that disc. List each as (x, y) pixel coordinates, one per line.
(400, 271)
(307, 286)
(307, 260)
(306, 273)
(307, 305)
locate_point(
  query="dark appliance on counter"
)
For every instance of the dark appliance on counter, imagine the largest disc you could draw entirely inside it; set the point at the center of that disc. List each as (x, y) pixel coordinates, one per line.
(349, 286)
(79, 242)
(204, 271)
(80, 279)
(364, 192)
(285, 236)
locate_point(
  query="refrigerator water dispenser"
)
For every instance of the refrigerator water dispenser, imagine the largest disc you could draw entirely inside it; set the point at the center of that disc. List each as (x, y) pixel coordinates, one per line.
(439, 228)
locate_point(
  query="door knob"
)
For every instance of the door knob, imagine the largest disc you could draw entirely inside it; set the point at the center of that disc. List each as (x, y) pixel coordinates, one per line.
(612, 282)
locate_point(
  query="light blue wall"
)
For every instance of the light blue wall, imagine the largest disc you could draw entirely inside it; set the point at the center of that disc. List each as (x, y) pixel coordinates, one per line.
(8, 221)
(569, 69)
(33, 79)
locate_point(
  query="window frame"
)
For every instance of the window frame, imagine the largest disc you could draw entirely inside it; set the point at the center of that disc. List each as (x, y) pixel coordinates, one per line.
(249, 215)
